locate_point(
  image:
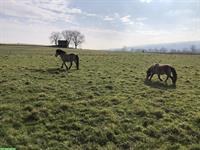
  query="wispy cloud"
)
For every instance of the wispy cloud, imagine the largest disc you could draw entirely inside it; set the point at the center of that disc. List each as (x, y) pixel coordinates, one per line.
(90, 14)
(146, 1)
(27, 10)
(108, 18)
(126, 19)
(42, 10)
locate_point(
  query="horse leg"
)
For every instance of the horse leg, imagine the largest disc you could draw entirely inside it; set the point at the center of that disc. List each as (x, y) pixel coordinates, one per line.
(70, 65)
(171, 78)
(151, 77)
(62, 65)
(66, 66)
(167, 78)
(159, 77)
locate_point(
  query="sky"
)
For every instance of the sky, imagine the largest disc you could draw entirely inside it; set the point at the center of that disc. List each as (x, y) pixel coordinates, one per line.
(105, 23)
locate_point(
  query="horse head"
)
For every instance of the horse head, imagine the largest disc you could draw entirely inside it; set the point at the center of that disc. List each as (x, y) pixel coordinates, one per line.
(59, 52)
(149, 72)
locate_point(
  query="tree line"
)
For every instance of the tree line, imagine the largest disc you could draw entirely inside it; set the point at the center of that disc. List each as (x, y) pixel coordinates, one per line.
(193, 49)
(70, 36)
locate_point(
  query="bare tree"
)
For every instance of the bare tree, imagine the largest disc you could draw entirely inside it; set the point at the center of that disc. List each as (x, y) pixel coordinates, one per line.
(55, 36)
(67, 35)
(77, 38)
(193, 48)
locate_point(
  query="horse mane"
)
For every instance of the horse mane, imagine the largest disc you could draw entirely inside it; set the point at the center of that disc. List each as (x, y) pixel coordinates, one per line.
(59, 51)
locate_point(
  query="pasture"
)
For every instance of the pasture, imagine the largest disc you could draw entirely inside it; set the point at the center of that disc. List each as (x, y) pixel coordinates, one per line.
(104, 105)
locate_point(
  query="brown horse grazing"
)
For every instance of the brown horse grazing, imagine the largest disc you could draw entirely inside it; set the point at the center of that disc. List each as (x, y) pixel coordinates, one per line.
(67, 58)
(160, 70)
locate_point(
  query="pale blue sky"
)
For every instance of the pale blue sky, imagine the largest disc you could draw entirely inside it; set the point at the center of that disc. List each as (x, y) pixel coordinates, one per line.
(105, 23)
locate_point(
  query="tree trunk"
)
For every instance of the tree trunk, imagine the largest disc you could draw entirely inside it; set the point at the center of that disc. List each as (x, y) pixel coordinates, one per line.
(67, 44)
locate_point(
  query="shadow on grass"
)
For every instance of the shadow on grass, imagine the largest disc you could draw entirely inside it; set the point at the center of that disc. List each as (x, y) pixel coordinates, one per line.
(49, 70)
(159, 85)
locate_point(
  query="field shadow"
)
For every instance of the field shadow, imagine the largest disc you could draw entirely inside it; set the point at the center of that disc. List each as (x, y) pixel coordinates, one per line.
(49, 70)
(159, 85)
(55, 70)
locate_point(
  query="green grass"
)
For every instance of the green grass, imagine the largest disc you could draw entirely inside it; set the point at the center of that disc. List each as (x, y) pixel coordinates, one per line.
(104, 105)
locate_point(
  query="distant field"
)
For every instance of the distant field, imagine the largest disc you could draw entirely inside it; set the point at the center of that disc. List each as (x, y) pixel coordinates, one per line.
(104, 105)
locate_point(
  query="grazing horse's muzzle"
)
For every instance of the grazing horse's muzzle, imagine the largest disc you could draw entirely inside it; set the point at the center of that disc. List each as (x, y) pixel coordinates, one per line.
(148, 74)
(147, 77)
(56, 54)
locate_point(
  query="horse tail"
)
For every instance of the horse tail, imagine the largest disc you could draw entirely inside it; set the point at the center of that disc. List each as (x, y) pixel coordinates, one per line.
(77, 62)
(174, 75)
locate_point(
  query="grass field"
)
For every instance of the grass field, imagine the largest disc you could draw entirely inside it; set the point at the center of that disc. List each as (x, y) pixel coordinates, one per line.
(104, 105)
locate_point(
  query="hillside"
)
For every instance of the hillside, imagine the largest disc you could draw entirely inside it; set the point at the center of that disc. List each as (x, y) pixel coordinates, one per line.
(177, 45)
(105, 105)
(181, 46)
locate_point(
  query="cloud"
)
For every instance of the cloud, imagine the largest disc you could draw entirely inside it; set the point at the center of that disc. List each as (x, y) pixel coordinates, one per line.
(112, 17)
(90, 14)
(42, 10)
(146, 1)
(57, 5)
(126, 19)
(108, 18)
(73, 11)
(28, 11)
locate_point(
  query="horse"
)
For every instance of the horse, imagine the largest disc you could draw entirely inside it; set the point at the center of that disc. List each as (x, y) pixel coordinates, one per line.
(67, 58)
(160, 70)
